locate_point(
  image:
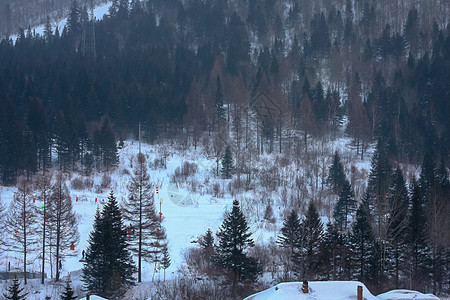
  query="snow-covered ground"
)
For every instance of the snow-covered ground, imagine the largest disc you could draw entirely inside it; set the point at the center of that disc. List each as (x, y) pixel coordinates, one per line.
(186, 214)
(189, 209)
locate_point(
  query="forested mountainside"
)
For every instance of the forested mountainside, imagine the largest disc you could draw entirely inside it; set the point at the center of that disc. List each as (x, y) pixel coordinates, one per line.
(264, 88)
(192, 67)
(15, 14)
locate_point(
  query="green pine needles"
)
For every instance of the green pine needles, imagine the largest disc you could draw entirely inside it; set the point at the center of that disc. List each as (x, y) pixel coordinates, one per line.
(109, 267)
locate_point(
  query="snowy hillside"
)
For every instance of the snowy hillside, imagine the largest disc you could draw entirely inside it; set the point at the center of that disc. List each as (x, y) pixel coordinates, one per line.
(191, 202)
(188, 210)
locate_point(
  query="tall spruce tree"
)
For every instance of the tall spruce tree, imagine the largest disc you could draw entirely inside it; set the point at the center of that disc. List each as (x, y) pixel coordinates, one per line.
(336, 175)
(108, 268)
(378, 188)
(289, 239)
(227, 170)
(218, 97)
(435, 195)
(418, 249)
(345, 207)
(334, 255)
(363, 248)
(139, 211)
(234, 240)
(105, 148)
(307, 259)
(397, 230)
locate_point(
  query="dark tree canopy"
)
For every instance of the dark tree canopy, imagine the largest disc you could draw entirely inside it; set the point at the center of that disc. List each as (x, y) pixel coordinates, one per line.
(108, 268)
(234, 240)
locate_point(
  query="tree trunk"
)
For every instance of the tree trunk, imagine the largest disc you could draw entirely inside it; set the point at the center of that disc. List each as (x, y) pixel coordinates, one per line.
(140, 237)
(24, 242)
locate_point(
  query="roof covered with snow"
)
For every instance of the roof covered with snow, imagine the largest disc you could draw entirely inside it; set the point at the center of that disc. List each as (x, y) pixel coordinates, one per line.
(406, 294)
(94, 297)
(318, 290)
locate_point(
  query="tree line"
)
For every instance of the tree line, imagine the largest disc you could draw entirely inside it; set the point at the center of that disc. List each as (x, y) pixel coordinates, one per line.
(191, 68)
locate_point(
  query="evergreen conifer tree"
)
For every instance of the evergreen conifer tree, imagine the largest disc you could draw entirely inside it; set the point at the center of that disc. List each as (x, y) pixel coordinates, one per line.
(108, 268)
(427, 174)
(363, 248)
(306, 259)
(165, 260)
(345, 207)
(219, 102)
(418, 250)
(234, 239)
(208, 240)
(68, 291)
(334, 255)
(13, 291)
(396, 229)
(227, 170)
(378, 188)
(289, 238)
(336, 175)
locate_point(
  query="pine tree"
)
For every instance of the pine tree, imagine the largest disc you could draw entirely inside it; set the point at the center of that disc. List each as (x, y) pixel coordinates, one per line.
(336, 175)
(73, 20)
(396, 228)
(20, 222)
(139, 210)
(311, 236)
(363, 248)
(234, 239)
(378, 188)
(68, 291)
(108, 268)
(165, 260)
(334, 255)
(289, 238)
(345, 207)
(105, 147)
(219, 103)
(227, 170)
(427, 175)
(418, 250)
(207, 240)
(14, 291)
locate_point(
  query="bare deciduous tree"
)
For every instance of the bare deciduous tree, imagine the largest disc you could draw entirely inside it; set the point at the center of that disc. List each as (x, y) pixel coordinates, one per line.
(20, 224)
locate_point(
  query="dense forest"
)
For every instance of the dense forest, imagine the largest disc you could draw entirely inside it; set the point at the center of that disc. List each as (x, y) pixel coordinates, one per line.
(190, 68)
(189, 71)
